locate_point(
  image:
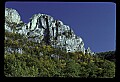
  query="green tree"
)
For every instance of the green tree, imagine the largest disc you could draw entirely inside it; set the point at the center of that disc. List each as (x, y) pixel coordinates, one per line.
(108, 69)
(71, 69)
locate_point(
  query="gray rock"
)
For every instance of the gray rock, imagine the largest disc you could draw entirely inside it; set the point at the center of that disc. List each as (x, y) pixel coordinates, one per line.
(60, 35)
(13, 50)
(43, 27)
(88, 51)
(11, 15)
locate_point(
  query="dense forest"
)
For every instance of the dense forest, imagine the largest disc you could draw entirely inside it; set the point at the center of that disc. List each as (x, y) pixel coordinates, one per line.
(42, 60)
(108, 55)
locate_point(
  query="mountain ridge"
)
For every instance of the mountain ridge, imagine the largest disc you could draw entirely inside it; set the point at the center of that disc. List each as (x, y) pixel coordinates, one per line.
(45, 28)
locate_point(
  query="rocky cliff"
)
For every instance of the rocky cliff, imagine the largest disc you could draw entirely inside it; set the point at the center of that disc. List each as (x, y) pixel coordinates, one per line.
(44, 28)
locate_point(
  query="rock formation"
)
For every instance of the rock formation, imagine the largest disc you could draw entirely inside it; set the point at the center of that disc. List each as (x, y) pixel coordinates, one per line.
(43, 27)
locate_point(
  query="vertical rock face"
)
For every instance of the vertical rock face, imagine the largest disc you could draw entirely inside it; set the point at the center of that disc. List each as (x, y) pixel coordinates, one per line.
(43, 28)
(55, 33)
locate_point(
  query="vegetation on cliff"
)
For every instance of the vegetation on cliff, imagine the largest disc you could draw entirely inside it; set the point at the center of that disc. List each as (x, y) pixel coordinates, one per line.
(41, 60)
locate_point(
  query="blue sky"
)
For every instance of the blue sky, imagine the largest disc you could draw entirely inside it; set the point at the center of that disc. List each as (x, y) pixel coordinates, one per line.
(94, 22)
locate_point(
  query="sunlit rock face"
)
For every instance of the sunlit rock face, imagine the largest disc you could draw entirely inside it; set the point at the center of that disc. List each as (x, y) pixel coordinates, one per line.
(13, 22)
(55, 33)
(12, 15)
(44, 28)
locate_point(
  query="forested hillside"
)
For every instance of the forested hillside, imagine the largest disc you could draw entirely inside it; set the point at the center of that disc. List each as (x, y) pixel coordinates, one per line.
(51, 62)
(108, 55)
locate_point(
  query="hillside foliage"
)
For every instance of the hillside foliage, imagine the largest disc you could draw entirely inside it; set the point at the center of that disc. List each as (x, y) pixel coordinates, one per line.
(108, 55)
(41, 60)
